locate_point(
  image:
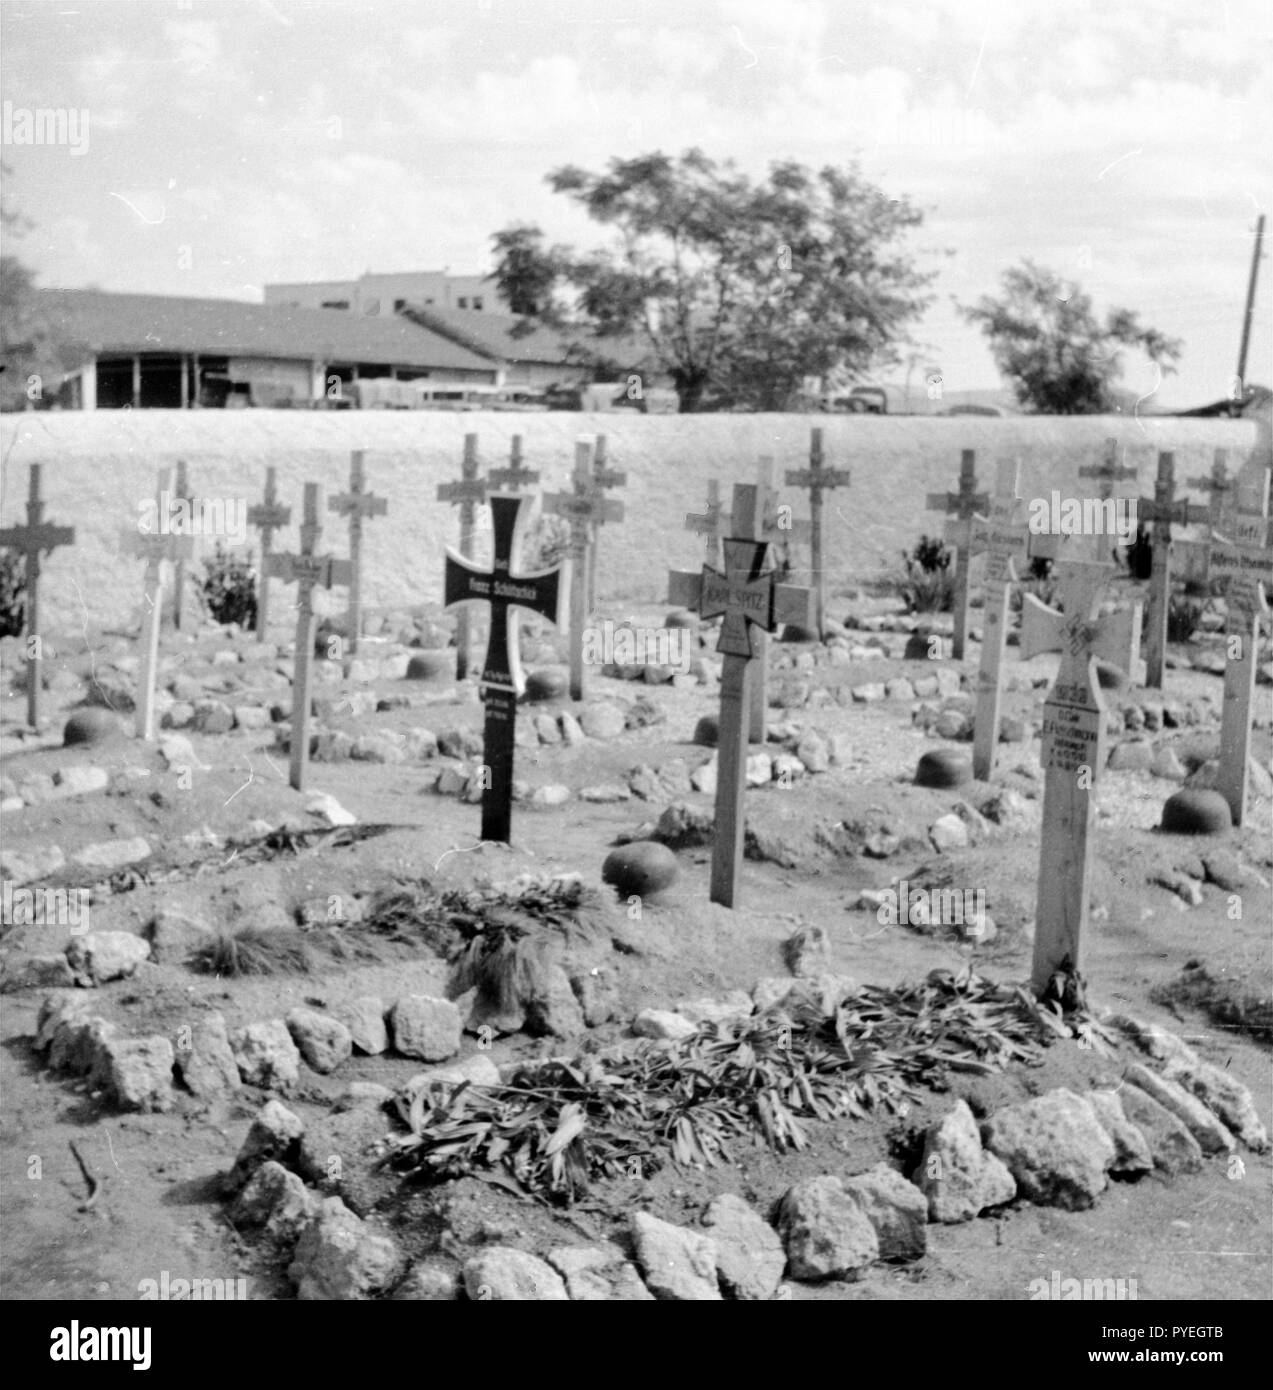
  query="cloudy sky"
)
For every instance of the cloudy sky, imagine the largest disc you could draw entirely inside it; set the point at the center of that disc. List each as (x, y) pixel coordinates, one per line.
(235, 142)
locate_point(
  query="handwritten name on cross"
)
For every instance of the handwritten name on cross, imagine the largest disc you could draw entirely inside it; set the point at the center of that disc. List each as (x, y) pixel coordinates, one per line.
(467, 494)
(817, 479)
(1074, 751)
(308, 570)
(30, 541)
(1242, 560)
(267, 517)
(961, 507)
(1164, 511)
(1003, 539)
(502, 587)
(156, 548)
(586, 508)
(356, 504)
(745, 595)
(516, 477)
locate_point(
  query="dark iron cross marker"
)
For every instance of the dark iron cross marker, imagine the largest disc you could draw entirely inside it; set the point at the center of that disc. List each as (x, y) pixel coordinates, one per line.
(356, 504)
(1164, 511)
(515, 477)
(817, 479)
(308, 570)
(745, 595)
(155, 547)
(467, 493)
(268, 517)
(961, 507)
(30, 540)
(501, 681)
(586, 508)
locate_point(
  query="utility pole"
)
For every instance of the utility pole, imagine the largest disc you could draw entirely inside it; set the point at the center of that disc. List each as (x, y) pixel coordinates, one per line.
(1240, 380)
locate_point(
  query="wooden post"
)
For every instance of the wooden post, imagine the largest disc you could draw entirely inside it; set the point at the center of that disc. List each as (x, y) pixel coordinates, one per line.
(603, 479)
(356, 504)
(179, 566)
(1108, 473)
(713, 524)
(516, 477)
(1074, 746)
(1003, 537)
(309, 569)
(155, 547)
(466, 494)
(502, 587)
(1163, 511)
(1243, 560)
(587, 509)
(750, 603)
(960, 507)
(267, 517)
(817, 479)
(29, 540)
(774, 531)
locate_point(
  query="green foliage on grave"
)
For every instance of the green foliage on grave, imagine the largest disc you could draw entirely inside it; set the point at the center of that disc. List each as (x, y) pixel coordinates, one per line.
(229, 589)
(12, 593)
(927, 584)
(1048, 343)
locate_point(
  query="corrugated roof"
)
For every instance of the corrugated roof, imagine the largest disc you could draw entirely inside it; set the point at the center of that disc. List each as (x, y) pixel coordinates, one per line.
(492, 335)
(102, 322)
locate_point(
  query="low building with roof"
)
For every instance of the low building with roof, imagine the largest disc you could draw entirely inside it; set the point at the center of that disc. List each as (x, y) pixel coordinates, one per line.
(141, 351)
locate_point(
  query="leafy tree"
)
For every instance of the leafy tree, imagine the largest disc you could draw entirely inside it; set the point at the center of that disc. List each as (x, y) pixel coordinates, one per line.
(1048, 342)
(741, 289)
(27, 347)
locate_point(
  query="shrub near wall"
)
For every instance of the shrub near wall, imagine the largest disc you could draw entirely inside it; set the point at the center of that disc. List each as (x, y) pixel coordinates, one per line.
(98, 466)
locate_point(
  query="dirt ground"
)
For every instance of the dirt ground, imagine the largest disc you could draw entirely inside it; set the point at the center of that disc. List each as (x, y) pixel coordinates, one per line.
(1205, 1236)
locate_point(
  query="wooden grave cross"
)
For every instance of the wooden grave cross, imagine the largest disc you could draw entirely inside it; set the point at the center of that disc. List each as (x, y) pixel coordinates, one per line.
(181, 494)
(1164, 511)
(267, 517)
(603, 479)
(466, 493)
(1075, 740)
(29, 541)
(1003, 539)
(356, 504)
(1043, 629)
(586, 508)
(516, 477)
(817, 479)
(1196, 555)
(1242, 559)
(501, 681)
(745, 595)
(1108, 473)
(309, 569)
(713, 524)
(155, 547)
(961, 507)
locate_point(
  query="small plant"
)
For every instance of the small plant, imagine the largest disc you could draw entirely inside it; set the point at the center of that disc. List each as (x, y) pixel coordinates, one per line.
(1139, 556)
(255, 951)
(1184, 612)
(546, 544)
(12, 594)
(229, 590)
(928, 585)
(1038, 581)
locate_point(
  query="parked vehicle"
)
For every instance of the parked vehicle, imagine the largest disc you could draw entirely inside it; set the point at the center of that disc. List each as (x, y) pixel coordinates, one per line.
(860, 400)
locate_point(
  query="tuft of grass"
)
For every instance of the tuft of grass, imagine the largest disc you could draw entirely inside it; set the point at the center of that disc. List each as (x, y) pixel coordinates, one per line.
(1225, 999)
(255, 951)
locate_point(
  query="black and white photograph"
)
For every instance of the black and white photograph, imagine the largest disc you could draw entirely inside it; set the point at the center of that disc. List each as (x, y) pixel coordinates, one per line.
(635, 666)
